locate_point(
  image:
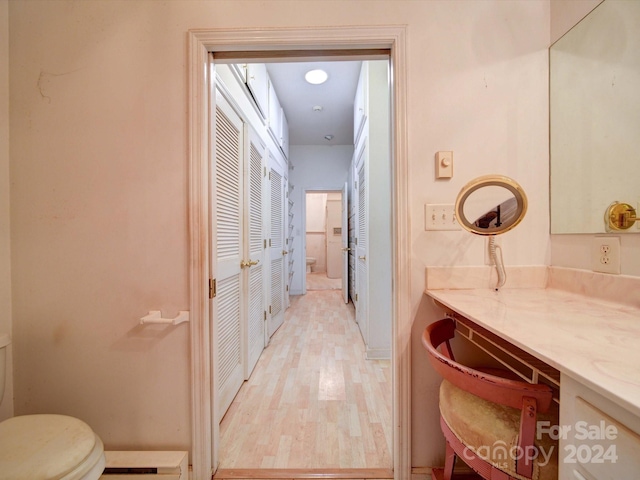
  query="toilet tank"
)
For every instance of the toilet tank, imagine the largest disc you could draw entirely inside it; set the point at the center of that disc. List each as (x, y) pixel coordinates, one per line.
(4, 341)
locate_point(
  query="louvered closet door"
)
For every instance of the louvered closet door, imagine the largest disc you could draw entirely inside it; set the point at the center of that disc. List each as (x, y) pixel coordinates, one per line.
(345, 243)
(362, 242)
(227, 252)
(278, 252)
(255, 253)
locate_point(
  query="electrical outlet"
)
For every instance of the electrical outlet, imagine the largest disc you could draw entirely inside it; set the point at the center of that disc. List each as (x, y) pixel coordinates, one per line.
(440, 217)
(606, 255)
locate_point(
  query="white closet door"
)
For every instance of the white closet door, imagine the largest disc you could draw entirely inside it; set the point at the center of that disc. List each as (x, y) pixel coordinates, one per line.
(345, 243)
(362, 243)
(227, 208)
(255, 253)
(278, 252)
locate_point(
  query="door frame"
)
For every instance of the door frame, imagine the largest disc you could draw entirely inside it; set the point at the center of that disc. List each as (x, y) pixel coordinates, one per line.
(200, 76)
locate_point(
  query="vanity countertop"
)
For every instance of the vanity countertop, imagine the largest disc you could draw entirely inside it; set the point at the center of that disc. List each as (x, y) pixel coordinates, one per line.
(595, 341)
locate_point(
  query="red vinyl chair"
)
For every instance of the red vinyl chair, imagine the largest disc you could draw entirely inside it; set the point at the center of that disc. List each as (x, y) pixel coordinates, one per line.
(489, 421)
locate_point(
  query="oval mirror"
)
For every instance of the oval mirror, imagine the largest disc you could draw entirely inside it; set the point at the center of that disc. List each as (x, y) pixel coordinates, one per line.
(491, 205)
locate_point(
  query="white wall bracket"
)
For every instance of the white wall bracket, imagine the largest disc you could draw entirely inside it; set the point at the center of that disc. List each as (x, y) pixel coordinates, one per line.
(155, 316)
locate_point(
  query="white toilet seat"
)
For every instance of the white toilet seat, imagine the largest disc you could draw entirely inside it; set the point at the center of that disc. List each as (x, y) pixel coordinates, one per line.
(49, 447)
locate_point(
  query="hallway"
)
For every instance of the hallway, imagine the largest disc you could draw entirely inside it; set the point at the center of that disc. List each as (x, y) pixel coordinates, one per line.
(313, 401)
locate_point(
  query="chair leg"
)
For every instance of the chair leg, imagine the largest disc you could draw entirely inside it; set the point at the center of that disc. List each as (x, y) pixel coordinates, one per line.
(449, 462)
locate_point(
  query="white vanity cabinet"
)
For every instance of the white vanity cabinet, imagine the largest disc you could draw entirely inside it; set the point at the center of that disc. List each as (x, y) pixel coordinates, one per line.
(599, 439)
(258, 83)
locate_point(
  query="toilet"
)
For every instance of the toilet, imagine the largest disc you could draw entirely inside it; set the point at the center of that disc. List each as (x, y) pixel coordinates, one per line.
(47, 447)
(310, 263)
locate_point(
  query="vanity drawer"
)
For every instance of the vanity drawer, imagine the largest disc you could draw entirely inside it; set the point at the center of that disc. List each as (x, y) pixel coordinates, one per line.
(599, 439)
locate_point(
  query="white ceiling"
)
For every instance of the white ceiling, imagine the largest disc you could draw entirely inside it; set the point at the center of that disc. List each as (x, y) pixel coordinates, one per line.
(335, 96)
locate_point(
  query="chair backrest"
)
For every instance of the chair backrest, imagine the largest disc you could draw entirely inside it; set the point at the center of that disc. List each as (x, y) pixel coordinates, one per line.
(484, 385)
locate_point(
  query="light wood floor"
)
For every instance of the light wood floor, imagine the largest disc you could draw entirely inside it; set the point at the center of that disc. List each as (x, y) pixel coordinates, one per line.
(313, 401)
(320, 281)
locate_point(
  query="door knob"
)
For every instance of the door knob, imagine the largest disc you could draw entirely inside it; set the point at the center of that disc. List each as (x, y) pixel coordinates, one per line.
(249, 263)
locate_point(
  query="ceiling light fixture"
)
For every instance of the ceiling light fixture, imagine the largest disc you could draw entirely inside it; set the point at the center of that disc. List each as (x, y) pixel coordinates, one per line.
(316, 77)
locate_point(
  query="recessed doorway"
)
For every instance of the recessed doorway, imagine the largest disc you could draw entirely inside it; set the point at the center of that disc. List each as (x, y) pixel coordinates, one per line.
(204, 453)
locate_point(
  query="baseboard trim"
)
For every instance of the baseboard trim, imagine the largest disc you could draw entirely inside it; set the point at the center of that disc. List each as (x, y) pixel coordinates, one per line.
(303, 473)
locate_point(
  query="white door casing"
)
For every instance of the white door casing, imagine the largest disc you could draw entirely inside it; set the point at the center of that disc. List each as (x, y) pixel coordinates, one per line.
(201, 149)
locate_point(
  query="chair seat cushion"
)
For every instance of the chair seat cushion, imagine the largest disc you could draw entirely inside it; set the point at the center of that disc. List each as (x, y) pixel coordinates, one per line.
(491, 431)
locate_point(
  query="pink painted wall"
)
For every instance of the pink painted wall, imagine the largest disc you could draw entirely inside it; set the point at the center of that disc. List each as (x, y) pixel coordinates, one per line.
(98, 127)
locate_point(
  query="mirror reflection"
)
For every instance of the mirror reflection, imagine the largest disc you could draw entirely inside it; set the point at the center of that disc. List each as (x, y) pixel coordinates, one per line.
(490, 205)
(595, 117)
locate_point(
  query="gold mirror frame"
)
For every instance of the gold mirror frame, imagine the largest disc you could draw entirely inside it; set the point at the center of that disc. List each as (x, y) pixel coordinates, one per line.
(491, 181)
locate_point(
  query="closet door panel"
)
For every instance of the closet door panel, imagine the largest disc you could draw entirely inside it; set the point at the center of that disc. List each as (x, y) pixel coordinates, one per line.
(278, 252)
(227, 314)
(255, 253)
(362, 243)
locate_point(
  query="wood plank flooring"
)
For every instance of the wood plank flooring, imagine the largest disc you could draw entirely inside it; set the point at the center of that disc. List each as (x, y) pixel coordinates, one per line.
(313, 403)
(320, 281)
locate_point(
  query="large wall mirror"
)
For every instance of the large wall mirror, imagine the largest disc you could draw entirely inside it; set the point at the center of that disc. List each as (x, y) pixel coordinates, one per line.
(595, 118)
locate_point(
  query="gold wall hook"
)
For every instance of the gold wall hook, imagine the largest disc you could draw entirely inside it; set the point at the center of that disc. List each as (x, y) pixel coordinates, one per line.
(620, 216)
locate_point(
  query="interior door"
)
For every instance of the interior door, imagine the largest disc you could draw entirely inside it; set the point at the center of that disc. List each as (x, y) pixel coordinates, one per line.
(278, 252)
(228, 240)
(254, 258)
(361, 243)
(345, 243)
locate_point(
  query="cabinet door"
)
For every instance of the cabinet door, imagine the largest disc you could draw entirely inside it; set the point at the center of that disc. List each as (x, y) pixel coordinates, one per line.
(284, 135)
(599, 440)
(360, 103)
(275, 114)
(228, 240)
(258, 83)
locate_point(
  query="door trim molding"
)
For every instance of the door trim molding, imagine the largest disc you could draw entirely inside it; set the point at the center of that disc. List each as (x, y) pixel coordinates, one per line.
(200, 43)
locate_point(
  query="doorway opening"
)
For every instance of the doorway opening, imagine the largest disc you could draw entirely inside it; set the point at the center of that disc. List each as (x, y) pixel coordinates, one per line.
(325, 240)
(322, 42)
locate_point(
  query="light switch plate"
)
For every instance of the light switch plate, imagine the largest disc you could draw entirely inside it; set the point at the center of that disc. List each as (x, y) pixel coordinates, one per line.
(440, 217)
(444, 164)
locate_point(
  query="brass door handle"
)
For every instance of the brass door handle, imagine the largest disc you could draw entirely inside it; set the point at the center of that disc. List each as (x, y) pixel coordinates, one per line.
(249, 263)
